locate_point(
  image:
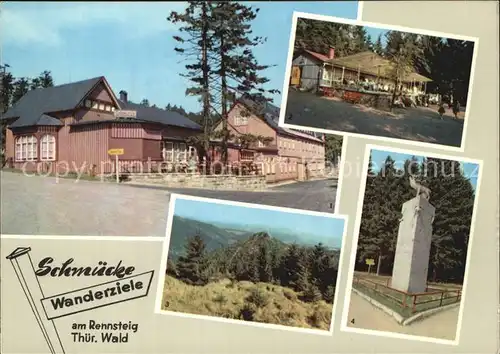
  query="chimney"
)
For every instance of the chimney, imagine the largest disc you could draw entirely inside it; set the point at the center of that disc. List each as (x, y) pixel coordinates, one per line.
(123, 96)
(331, 53)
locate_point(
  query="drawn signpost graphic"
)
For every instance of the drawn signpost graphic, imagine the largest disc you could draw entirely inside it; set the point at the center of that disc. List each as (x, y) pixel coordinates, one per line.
(46, 309)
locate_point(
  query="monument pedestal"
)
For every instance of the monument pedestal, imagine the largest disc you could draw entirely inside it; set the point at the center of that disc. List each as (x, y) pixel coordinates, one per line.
(411, 261)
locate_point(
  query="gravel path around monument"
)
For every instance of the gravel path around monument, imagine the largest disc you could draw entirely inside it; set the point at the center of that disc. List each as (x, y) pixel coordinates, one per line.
(442, 325)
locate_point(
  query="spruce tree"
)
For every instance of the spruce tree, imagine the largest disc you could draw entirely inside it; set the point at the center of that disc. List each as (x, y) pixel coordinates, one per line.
(264, 261)
(237, 71)
(378, 47)
(21, 87)
(191, 267)
(290, 266)
(196, 44)
(453, 197)
(321, 267)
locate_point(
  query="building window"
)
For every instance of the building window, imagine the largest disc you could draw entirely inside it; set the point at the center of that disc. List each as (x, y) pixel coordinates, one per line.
(48, 148)
(240, 120)
(167, 151)
(108, 108)
(327, 74)
(112, 109)
(175, 152)
(88, 103)
(26, 148)
(181, 152)
(95, 105)
(260, 144)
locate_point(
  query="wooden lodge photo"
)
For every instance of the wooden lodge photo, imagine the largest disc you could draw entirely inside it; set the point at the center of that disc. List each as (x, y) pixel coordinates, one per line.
(411, 254)
(248, 262)
(346, 77)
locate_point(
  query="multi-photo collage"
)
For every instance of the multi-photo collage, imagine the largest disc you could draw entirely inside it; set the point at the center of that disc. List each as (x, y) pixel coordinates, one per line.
(240, 176)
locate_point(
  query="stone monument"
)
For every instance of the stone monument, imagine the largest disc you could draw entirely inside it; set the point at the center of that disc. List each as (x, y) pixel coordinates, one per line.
(411, 261)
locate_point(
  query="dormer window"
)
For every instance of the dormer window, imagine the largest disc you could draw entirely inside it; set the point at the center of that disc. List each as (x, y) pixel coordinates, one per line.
(95, 105)
(88, 103)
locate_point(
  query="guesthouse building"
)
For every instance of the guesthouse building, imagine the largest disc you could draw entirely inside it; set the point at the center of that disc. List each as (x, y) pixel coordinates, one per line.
(317, 71)
(287, 154)
(73, 126)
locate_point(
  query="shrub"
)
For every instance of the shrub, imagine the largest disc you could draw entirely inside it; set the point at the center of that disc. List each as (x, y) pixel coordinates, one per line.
(171, 268)
(257, 297)
(220, 298)
(329, 294)
(247, 312)
(311, 294)
(290, 295)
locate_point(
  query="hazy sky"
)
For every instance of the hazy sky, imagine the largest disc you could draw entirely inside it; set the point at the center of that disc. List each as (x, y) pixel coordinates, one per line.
(320, 228)
(130, 43)
(470, 170)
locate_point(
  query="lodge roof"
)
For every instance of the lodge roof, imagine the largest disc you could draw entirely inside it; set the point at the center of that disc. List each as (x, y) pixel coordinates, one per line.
(36, 106)
(159, 115)
(270, 113)
(367, 62)
(371, 63)
(43, 101)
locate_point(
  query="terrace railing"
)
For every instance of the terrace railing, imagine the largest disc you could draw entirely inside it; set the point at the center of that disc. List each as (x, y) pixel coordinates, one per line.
(412, 302)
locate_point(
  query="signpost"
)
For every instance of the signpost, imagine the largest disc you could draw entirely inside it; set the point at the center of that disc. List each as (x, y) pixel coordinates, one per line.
(116, 153)
(370, 262)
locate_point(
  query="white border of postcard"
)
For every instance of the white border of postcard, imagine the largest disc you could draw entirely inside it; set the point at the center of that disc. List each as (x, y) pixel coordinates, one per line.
(359, 22)
(357, 224)
(164, 258)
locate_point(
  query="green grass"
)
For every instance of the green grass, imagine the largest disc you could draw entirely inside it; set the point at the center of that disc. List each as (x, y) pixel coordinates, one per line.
(261, 302)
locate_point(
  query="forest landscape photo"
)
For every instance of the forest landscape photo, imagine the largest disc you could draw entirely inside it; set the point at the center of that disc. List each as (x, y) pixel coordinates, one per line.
(413, 243)
(252, 263)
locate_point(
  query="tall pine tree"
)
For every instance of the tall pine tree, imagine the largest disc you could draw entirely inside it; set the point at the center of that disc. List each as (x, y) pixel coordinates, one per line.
(191, 267)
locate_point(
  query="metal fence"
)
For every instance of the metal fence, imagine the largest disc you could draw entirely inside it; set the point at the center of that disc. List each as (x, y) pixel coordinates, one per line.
(412, 302)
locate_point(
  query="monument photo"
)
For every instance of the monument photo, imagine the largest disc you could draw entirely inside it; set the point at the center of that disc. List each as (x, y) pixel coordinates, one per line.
(411, 251)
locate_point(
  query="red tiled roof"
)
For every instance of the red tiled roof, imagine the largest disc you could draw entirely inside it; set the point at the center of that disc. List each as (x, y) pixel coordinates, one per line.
(319, 56)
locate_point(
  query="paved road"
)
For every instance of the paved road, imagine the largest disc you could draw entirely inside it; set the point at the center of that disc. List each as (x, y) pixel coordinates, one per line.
(417, 124)
(40, 205)
(442, 325)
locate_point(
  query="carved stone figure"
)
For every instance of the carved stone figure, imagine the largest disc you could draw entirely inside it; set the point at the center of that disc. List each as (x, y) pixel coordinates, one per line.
(426, 192)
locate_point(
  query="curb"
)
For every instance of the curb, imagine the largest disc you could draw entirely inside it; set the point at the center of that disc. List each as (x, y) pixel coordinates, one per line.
(399, 319)
(424, 314)
(404, 321)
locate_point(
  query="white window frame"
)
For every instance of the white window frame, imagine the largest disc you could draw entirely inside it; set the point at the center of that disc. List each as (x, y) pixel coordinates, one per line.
(181, 151)
(26, 148)
(167, 151)
(240, 120)
(48, 147)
